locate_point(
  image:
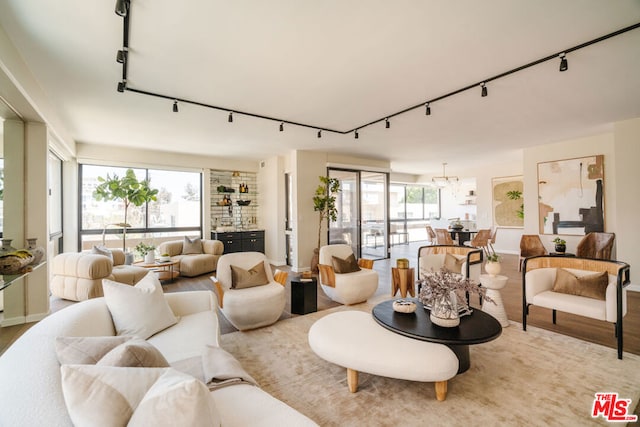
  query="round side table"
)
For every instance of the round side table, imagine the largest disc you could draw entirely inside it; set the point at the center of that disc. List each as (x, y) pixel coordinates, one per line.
(493, 285)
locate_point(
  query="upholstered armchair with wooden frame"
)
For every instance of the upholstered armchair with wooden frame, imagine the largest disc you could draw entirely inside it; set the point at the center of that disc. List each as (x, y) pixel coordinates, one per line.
(578, 290)
(252, 306)
(346, 288)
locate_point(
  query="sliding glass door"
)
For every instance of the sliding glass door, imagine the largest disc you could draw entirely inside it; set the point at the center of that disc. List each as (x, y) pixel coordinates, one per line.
(362, 212)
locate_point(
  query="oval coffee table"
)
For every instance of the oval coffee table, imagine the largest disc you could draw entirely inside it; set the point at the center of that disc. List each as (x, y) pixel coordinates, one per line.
(476, 328)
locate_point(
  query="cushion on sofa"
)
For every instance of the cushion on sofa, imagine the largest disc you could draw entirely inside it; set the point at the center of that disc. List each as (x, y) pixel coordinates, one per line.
(102, 250)
(136, 397)
(255, 276)
(191, 246)
(139, 310)
(344, 266)
(590, 285)
(86, 350)
(454, 263)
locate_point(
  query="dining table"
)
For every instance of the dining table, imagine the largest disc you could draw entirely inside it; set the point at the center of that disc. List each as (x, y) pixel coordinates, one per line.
(462, 235)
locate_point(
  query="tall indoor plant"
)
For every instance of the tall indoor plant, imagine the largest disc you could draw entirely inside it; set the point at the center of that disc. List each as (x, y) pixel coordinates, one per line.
(129, 190)
(324, 202)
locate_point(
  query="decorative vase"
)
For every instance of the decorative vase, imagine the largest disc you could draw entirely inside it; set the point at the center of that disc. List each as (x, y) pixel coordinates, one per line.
(6, 246)
(561, 248)
(492, 268)
(38, 252)
(444, 310)
(150, 257)
(128, 258)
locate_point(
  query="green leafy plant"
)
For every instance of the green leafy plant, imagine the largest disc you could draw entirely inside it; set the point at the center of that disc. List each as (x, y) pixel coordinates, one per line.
(324, 201)
(559, 241)
(492, 256)
(128, 189)
(517, 195)
(143, 249)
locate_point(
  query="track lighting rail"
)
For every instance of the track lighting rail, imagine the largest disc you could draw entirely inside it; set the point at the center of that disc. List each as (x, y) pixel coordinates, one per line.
(124, 6)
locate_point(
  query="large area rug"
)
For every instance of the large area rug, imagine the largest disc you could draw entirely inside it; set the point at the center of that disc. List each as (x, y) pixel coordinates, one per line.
(521, 379)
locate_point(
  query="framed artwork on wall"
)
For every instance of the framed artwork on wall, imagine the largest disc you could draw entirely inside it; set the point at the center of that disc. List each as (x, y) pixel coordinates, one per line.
(508, 201)
(570, 196)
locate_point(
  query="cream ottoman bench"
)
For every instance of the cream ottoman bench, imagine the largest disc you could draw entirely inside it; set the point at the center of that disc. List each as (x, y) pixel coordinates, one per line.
(353, 339)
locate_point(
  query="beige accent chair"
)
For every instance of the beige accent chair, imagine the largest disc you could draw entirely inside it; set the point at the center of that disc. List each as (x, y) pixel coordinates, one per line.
(78, 276)
(539, 279)
(192, 265)
(254, 307)
(346, 288)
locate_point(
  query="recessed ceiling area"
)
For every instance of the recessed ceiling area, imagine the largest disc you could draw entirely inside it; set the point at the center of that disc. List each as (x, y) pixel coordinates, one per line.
(334, 64)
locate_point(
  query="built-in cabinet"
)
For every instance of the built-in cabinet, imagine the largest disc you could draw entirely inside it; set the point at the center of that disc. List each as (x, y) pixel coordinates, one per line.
(240, 241)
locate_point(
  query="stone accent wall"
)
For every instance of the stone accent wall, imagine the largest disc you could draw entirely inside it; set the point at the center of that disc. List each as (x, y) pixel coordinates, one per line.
(234, 217)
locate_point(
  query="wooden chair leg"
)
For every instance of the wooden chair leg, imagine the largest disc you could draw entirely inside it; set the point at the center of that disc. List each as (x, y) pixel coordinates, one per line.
(352, 380)
(441, 390)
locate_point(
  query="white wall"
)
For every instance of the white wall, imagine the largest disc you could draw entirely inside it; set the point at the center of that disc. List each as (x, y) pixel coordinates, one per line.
(272, 203)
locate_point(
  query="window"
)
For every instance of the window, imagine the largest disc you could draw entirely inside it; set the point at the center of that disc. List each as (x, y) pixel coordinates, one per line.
(178, 208)
(411, 208)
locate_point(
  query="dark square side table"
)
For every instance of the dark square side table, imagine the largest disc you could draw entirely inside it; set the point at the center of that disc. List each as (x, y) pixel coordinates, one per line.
(304, 295)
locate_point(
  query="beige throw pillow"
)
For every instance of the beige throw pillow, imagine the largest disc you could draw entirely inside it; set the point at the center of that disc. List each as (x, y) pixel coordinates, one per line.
(139, 310)
(453, 263)
(109, 396)
(191, 246)
(102, 250)
(86, 350)
(347, 265)
(590, 286)
(255, 276)
(135, 353)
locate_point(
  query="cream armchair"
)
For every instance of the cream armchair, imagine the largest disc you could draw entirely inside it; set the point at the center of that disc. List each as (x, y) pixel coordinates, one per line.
(542, 288)
(78, 276)
(249, 307)
(346, 288)
(464, 260)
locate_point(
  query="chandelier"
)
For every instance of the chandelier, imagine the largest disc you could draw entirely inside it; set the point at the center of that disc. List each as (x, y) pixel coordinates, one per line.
(444, 180)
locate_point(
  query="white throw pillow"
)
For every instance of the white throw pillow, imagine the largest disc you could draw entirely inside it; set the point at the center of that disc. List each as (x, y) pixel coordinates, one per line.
(139, 310)
(107, 396)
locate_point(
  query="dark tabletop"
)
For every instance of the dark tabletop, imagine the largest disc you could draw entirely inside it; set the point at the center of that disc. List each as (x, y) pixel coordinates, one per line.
(475, 328)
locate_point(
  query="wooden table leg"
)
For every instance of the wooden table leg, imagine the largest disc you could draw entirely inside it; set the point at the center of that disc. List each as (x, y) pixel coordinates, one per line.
(352, 380)
(441, 390)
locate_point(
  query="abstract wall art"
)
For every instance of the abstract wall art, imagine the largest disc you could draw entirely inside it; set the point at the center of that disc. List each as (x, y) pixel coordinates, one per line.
(570, 195)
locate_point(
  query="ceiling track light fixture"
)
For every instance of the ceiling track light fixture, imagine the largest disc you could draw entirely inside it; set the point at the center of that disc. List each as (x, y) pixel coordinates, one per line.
(175, 106)
(230, 119)
(281, 126)
(564, 65)
(319, 134)
(121, 56)
(123, 8)
(355, 135)
(444, 180)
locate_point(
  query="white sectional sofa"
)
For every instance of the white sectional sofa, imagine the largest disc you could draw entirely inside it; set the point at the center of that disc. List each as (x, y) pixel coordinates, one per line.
(31, 392)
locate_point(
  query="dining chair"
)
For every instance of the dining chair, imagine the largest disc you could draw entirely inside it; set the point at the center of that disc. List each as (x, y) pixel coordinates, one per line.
(481, 240)
(443, 237)
(431, 235)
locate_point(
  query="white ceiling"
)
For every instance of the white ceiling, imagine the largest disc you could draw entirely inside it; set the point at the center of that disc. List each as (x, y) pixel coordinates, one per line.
(335, 64)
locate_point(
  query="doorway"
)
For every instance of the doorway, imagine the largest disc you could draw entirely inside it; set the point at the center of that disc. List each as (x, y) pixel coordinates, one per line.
(362, 220)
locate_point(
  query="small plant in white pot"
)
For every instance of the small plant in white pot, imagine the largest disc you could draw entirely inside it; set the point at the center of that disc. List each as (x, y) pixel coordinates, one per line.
(147, 252)
(492, 266)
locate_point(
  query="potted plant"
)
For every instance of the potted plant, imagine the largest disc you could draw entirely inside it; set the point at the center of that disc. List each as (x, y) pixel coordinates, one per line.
(444, 294)
(561, 245)
(147, 252)
(324, 202)
(492, 266)
(129, 190)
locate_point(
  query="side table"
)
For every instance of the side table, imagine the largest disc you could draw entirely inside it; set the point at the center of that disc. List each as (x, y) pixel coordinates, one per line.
(304, 295)
(402, 279)
(493, 285)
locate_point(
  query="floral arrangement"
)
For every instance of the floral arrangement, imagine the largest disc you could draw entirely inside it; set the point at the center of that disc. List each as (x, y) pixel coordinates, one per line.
(143, 249)
(448, 289)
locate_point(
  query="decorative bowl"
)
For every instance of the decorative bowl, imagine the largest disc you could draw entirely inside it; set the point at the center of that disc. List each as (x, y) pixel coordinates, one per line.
(404, 306)
(243, 202)
(164, 259)
(15, 262)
